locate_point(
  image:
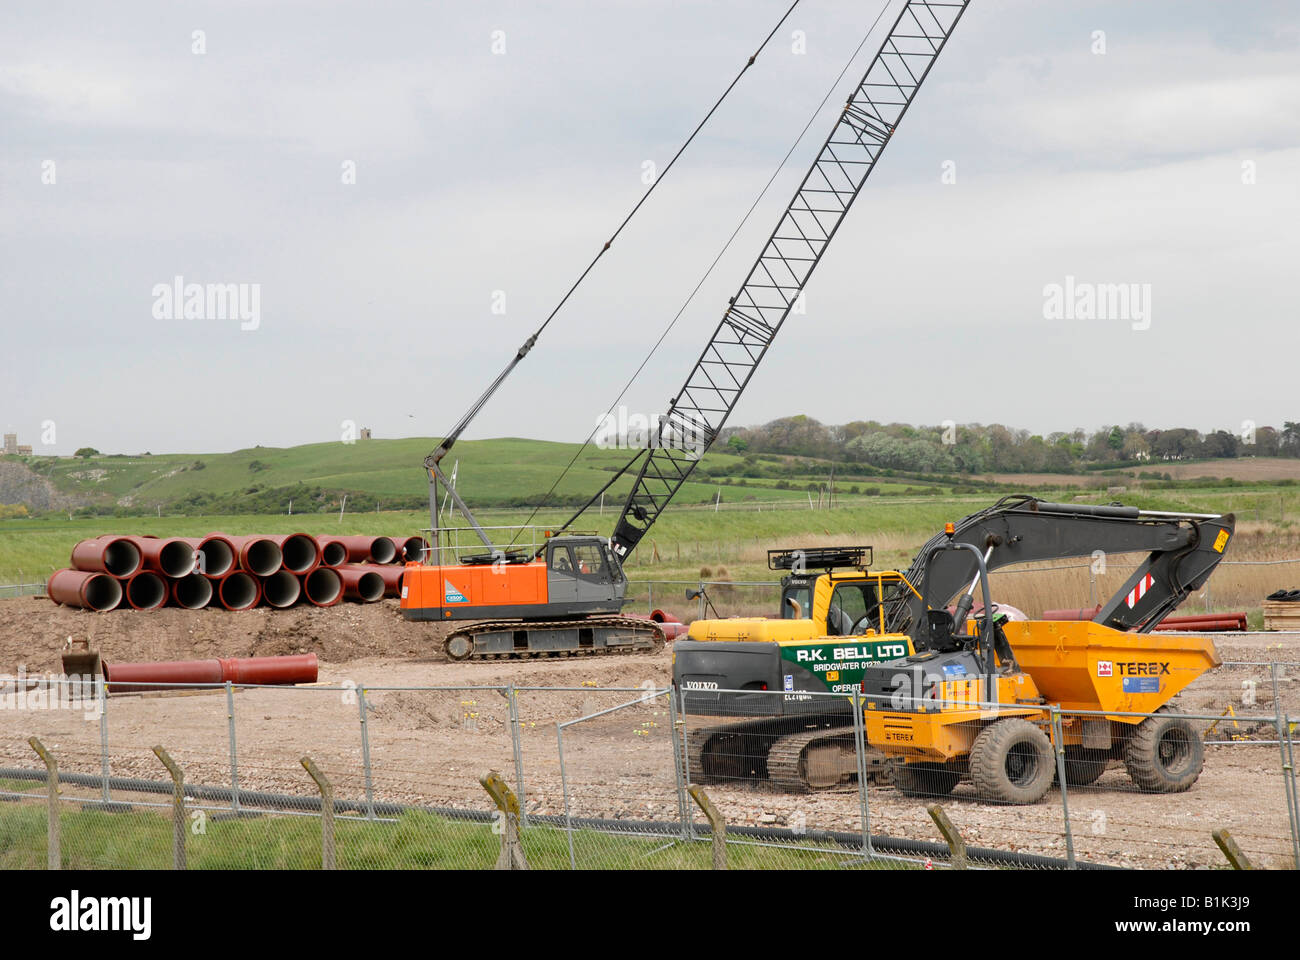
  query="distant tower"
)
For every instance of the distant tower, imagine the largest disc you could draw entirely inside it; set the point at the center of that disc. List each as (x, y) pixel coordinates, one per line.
(365, 433)
(11, 444)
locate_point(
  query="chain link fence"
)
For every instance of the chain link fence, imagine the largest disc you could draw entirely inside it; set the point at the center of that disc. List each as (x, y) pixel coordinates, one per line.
(351, 776)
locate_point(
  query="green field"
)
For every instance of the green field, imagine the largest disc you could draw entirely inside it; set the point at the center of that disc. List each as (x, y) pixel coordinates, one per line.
(686, 539)
(721, 524)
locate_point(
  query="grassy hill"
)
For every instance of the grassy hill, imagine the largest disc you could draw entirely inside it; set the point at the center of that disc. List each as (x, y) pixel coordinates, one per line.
(513, 473)
(389, 474)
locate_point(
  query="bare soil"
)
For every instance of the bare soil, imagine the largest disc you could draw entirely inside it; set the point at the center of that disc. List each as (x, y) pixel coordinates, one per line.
(430, 747)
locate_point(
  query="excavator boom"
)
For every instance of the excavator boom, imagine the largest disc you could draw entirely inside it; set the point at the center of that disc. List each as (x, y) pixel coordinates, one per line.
(1182, 551)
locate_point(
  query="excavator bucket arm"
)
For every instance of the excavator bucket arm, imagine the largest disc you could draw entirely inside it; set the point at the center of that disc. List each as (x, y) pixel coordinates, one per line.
(1183, 550)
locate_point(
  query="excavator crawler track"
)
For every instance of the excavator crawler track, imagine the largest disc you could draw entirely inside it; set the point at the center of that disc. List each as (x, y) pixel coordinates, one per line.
(595, 636)
(782, 752)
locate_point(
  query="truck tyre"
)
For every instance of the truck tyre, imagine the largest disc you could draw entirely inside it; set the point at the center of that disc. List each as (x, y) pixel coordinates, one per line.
(1011, 762)
(1164, 755)
(926, 779)
(1083, 766)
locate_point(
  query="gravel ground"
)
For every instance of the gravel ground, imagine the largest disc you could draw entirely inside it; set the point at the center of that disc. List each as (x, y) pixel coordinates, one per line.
(430, 747)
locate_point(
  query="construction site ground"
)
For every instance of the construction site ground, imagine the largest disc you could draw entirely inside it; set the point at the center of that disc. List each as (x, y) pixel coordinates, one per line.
(431, 747)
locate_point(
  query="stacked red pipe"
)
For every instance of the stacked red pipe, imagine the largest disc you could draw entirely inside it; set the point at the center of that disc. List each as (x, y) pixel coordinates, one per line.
(233, 572)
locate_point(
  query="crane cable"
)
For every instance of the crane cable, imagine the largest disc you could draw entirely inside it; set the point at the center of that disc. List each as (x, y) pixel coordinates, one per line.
(707, 273)
(474, 409)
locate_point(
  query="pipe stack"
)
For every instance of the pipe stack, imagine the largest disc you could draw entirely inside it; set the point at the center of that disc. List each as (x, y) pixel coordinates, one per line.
(232, 572)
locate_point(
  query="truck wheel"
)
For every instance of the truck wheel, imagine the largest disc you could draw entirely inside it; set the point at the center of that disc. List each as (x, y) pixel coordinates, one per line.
(1164, 755)
(926, 779)
(1083, 767)
(1011, 762)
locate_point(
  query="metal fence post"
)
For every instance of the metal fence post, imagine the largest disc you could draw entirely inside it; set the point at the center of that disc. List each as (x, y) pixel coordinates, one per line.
(679, 720)
(178, 807)
(650, 594)
(101, 693)
(326, 813)
(53, 854)
(234, 762)
(516, 745)
(679, 765)
(860, 748)
(1058, 747)
(1288, 771)
(365, 753)
(564, 786)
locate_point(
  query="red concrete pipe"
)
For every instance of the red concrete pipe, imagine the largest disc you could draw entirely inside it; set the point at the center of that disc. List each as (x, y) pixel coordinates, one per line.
(297, 668)
(281, 589)
(113, 555)
(669, 626)
(364, 549)
(87, 589)
(323, 587)
(1207, 623)
(411, 549)
(300, 552)
(260, 556)
(332, 552)
(1084, 613)
(193, 592)
(361, 583)
(238, 590)
(391, 574)
(145, 590)
(127, 677)
(170, 556)
(216, 554)
(134, 677)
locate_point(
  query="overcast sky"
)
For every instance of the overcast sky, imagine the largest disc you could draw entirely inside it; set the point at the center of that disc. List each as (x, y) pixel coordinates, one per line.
(479, 171)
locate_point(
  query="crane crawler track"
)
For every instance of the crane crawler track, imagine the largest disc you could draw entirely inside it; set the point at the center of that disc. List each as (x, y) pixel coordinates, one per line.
(499, 639)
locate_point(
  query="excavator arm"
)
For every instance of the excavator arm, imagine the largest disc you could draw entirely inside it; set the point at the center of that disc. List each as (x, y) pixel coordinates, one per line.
(1182, 551)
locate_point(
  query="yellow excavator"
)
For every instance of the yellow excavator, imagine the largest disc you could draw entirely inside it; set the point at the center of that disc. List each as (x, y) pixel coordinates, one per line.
(946, 695)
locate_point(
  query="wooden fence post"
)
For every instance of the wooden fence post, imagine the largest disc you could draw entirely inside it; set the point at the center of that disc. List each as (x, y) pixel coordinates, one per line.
(512, 851)
(54, 858)
(178, 807)
(717, 825)
(951, 835)
(1236, 856)
(326, 813)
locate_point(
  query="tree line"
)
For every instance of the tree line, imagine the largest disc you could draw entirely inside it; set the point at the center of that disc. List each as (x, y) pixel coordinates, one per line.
(973, 448)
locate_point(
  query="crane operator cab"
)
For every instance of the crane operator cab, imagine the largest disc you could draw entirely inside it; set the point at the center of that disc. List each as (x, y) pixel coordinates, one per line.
(582, 570)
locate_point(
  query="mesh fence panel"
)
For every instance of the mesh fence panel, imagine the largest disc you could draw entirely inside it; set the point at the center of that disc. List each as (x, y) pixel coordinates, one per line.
(786, 775)
(620, 786)
(1156, 799)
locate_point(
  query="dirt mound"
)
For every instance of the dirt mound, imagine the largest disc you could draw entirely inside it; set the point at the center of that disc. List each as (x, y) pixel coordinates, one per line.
(33, 630)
